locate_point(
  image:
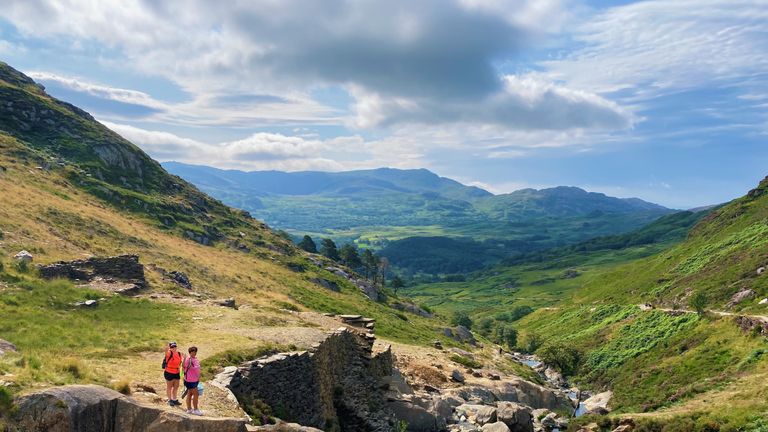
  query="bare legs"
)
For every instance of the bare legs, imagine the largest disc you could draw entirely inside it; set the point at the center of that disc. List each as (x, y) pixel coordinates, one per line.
(172, 389)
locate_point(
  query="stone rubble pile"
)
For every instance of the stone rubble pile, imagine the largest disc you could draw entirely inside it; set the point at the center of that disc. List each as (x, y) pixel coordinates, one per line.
(122, 274)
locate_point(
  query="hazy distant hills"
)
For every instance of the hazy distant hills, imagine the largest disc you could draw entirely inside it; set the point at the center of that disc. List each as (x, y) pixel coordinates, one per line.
(381, 206)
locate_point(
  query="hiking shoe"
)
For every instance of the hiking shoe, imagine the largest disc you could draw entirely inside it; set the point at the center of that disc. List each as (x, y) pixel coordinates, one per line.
(189, 411)
(176, 402)
(197, 412)
(170, 402)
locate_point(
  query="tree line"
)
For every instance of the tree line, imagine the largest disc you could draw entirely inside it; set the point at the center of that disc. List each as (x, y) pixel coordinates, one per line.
(375, 268)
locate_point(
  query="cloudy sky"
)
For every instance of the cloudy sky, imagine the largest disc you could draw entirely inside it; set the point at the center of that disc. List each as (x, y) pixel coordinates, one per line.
(664, 100)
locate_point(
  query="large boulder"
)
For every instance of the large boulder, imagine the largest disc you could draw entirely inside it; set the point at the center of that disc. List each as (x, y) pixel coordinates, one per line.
(598, 404)
(516, 416)
(741, 296)
(480, 414)
(496, 427)
(473, 393)
(417, 418)
(463, 334)
(91, 408)
(527, 393)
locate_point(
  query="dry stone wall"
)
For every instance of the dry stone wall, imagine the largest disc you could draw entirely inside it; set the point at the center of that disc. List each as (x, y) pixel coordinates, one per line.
(336, 385)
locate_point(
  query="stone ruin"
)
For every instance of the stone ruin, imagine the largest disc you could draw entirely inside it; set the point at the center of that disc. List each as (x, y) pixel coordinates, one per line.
(121, 274)
(335, 385)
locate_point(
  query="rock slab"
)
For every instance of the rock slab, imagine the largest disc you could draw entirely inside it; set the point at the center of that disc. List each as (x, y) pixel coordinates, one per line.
(91, 408)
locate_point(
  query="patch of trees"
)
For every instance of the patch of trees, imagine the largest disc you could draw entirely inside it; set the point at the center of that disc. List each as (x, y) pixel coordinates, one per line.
(366, 263)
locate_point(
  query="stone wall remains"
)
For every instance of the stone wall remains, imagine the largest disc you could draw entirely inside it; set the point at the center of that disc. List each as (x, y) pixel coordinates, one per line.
(336, 385)
(123, 268)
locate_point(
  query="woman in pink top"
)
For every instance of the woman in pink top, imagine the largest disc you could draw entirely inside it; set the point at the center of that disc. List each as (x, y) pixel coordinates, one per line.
(191, 380)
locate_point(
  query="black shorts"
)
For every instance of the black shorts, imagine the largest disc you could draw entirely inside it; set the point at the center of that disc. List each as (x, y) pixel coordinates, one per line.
(191, 385)
(171, 376)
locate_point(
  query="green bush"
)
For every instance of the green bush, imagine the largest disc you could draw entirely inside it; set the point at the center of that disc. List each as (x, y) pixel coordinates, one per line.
(6, 402)
(505, 334)
(22, 266)
(564, 358)
(485, 327)
(461, 318)
(465, 361)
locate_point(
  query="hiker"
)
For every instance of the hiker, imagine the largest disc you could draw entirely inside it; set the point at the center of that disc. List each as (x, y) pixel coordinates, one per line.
(172, 373)
(192, 380)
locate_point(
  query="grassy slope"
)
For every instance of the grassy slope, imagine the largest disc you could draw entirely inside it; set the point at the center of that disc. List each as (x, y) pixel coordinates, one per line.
(692, 373)
(63, 200)
(657, 362)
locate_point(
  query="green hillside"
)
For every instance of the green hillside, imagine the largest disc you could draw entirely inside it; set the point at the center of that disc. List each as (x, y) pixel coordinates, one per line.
(682, 369)
(69, 189)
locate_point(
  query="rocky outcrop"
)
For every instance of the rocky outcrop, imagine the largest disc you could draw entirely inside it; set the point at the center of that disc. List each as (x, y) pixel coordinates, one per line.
(752, 324)
(123, 272)
(90, 408)
(336, 384)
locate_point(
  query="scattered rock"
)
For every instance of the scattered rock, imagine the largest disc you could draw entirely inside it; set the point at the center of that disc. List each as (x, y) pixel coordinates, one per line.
(748, 324)
(6, 347)
(462, 353)
(496, 427)
(439, 345)
(477, 374)
(516, 416)
(741, 296)
(228, 302)
(463, 334)
(327, 284)
(554, 377)
(23, 256)
(760, 270)
(480, 414)
(457, 376)
(181, 279)
(763, 301)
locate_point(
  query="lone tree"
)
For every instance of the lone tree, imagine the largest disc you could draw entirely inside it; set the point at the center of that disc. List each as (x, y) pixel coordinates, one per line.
(349, 256)
(328, 249)
(564, 358)
(396, 283)
(699, 302)
(308, 244)
(505, 334)
(370, 263)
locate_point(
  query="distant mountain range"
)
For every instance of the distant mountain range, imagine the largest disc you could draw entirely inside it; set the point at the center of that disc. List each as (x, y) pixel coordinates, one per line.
(377, 207)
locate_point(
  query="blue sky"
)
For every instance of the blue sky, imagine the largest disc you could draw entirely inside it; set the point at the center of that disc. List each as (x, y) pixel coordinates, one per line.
(666, 101)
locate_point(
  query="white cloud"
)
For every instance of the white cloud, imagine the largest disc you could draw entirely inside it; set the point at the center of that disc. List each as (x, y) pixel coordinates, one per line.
(651, 47)
(258, 151)
(429, 62)
(100, 91)
(238, 110)
(523, 103)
